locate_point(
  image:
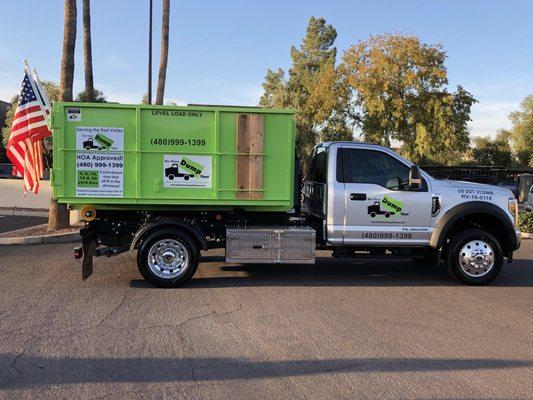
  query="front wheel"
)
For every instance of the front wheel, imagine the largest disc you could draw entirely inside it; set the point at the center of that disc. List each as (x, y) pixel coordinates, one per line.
(168, 258)
(474, 256)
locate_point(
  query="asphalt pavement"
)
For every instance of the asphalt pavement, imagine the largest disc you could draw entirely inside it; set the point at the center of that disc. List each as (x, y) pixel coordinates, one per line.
(339, 329)
(14, 222)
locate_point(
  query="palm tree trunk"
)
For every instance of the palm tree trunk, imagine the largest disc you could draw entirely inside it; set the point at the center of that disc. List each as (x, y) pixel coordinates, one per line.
(87, 51)
(58, 216)
(164, 53)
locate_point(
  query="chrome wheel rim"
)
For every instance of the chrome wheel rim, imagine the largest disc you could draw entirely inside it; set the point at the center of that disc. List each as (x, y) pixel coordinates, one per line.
(476, 258)
(168, 258)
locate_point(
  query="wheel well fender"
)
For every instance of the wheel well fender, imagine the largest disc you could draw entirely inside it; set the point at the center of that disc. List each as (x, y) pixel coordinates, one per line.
(152, 226)
(480, 214)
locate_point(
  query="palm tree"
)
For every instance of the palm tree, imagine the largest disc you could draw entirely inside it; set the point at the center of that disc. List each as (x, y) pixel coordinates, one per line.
(58, 216)
(164, 53)
(87, 52)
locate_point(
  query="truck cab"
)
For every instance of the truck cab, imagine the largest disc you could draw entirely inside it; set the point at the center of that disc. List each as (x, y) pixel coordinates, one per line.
(366, 198)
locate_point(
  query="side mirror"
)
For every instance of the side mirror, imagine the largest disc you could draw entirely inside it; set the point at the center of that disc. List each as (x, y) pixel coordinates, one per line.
(415, 178)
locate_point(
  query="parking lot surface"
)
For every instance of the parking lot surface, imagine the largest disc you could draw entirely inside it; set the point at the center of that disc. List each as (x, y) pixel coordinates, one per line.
(14, 222)
(337, 329)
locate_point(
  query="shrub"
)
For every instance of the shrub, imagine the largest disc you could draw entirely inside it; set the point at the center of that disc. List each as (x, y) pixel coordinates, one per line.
(525, 222)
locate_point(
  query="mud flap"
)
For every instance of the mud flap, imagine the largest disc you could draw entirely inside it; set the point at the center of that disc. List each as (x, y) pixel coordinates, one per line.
(89, 244)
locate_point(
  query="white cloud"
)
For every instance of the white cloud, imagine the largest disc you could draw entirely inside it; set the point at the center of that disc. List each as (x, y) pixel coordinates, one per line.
(9, 86)
(491, 115)
(113, 61)
(116, 95)
(219, 91)
(498, 97)
(178, 102)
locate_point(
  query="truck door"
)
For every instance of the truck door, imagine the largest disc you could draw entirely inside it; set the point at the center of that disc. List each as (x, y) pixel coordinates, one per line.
(379, 206)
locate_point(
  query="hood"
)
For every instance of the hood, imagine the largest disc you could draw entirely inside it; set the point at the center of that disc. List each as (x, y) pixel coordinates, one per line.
(473, 185)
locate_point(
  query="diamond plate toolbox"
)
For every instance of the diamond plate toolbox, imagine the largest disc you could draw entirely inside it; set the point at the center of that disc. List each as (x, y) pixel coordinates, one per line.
(271, 244)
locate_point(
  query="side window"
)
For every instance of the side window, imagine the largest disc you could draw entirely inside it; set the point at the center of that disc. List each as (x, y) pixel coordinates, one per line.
(370, 166)
(318, 166)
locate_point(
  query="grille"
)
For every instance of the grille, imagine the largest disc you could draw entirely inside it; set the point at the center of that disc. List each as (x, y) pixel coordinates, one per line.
(271, 244)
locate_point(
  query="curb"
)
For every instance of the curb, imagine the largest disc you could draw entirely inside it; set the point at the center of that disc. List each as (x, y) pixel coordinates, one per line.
(525, 235)
(25, 212)
(43, 239)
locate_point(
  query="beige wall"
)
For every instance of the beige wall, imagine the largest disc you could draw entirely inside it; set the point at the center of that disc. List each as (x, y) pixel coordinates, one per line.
(12, 197)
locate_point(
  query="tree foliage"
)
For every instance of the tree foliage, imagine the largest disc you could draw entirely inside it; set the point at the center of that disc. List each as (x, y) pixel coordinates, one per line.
(400, 93)
(314, 89)
(522, 132)
(97, 97)
(493, 152)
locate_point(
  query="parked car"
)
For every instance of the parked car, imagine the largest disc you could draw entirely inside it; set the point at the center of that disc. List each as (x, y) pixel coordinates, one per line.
(528, 204)
(5, 170)
(511, 185)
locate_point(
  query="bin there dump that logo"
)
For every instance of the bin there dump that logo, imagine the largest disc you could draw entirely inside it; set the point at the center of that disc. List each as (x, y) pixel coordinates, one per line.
(190, 166)
(393, 205)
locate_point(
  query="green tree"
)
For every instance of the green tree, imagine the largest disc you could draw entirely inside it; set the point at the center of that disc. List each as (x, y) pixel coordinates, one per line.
(97, 97)
(400, 94)
(493, 152)
(314, 89)
(522, 132)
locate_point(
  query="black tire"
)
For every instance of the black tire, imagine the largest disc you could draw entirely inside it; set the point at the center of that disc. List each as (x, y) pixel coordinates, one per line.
(186, 177)
(387, 215)
(171, 177)
(461, 239)
(193, 254)
(372, 214)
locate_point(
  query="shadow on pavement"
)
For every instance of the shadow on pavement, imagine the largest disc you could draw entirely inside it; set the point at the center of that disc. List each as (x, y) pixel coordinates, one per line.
(329, 271)
(32, 371)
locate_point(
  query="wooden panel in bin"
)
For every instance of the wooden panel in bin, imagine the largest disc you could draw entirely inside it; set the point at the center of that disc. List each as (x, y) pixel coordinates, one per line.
(250, 132)
(243, 146)
(256, 129)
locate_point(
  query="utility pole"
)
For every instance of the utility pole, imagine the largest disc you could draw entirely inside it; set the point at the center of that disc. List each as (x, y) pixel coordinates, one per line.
(150, 55)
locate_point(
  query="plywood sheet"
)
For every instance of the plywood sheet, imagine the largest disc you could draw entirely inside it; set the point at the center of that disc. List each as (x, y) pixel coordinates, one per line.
(250, 139)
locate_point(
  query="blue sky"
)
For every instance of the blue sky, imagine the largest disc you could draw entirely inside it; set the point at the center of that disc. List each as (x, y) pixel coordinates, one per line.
(220, 50)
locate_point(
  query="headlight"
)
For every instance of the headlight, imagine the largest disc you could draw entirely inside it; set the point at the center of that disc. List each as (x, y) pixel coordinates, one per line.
(513, 209)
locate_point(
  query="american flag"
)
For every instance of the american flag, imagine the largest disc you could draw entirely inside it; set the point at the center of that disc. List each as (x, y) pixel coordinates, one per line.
(25, 148)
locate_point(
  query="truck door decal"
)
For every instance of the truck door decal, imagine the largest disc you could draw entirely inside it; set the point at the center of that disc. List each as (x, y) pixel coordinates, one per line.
(386, 207)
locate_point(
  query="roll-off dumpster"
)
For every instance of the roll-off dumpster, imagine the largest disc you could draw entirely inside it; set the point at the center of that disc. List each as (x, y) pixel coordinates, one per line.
(115, 156)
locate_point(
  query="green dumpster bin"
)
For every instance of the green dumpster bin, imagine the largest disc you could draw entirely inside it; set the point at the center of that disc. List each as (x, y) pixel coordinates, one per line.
(115, 156)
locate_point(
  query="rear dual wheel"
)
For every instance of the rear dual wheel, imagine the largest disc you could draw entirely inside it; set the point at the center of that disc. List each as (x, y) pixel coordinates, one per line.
(168, 258)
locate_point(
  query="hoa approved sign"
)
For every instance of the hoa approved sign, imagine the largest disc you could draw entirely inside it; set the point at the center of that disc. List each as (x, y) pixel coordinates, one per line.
(99, 162)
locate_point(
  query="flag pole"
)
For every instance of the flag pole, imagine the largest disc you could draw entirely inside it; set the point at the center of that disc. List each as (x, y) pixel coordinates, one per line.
(30, 76)
(42, 94)
(41, 89)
